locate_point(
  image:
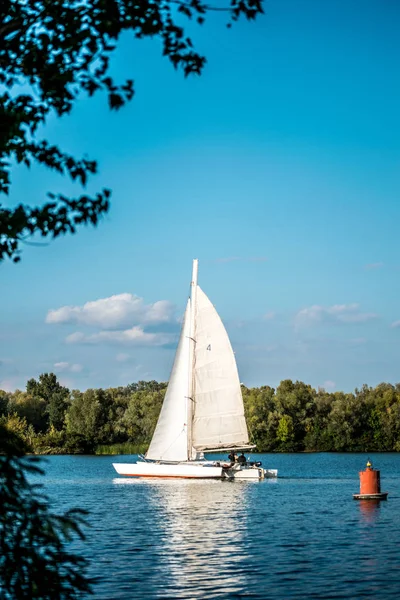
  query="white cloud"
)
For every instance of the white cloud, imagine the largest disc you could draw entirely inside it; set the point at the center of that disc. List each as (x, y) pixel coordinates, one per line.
(395, 324)
(329, 385)
(134, 336)
(8, 385)
(122, 357)
(61, 366)
(75, 338)
(338, 313)
(376, 265)
(68, 367)
(269, 315)
(121, 310)
(67, 382)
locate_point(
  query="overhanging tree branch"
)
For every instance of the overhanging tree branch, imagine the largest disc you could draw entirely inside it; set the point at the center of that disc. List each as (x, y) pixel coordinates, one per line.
(57, 49)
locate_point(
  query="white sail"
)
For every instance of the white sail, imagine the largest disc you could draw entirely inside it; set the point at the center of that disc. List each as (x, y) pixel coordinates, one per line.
(218, 420)
(170, 439)
(203, 405)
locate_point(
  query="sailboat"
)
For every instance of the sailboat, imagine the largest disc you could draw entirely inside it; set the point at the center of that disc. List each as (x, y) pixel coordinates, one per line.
(203, 405)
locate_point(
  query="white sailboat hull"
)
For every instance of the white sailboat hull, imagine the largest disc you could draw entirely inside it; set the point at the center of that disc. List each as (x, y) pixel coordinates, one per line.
(179, 470)
(250, 473)
(192, 470)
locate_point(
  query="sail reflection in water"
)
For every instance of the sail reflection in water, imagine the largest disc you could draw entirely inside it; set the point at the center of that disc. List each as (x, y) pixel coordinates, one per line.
(204, 525)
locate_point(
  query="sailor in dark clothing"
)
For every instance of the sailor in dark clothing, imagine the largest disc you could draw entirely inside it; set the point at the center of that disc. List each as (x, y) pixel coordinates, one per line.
(242, 459)
(232, 456)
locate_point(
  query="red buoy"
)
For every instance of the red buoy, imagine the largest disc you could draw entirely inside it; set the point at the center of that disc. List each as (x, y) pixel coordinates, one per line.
(370, 485)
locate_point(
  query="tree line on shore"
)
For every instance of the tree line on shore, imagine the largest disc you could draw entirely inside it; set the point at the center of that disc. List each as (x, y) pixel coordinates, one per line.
(294, 417)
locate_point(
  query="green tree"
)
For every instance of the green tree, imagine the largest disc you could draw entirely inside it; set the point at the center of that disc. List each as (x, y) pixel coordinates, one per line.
(46, 386)
(393, 426)
(380, 404)
(52, 51)
(317, 436)
(120, 400)
(285, 433)
(259, 404)
(141, 415)
(54, 396)
(4, 399)
(297, 401)
(32, 408)
(387, 401)
(146, 386)
(18, 426)
(89, 416)
(52, 441)
(56, 409)
(292, 418)
(347, 423)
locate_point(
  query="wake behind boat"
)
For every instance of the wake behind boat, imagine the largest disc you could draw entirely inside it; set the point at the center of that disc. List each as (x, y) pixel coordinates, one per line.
(203, 405)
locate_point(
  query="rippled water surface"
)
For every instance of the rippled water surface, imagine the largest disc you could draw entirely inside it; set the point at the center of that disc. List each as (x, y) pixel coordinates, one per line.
(301, 536)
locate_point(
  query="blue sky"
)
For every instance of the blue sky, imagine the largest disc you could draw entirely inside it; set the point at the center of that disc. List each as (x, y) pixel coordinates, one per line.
(278, 169)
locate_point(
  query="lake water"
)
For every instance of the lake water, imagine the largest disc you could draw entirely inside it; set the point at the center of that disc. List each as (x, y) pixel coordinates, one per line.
(300, 536)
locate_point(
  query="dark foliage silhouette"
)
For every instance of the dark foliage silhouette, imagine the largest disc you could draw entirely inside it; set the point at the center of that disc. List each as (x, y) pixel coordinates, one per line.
(35, 562)
(53, 51)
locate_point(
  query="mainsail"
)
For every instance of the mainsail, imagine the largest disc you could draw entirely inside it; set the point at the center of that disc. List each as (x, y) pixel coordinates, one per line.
(169, 442)
(218, 420)
(203, 405)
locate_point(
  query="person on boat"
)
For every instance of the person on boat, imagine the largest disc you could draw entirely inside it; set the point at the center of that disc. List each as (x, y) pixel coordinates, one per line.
(242, 459)
(232, 457)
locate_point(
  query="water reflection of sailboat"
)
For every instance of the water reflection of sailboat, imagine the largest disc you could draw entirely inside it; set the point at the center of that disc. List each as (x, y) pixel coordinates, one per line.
(203, 524)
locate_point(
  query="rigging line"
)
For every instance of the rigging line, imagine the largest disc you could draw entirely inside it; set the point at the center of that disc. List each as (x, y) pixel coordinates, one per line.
(173, 441)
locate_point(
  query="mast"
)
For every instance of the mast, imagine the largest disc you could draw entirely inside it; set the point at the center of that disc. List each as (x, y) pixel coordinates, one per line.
(192, 345)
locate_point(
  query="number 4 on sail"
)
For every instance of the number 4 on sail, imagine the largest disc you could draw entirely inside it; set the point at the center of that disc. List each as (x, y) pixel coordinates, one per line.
(203, 405)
